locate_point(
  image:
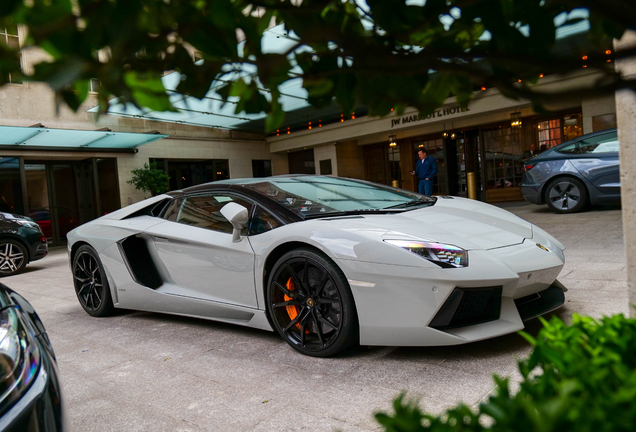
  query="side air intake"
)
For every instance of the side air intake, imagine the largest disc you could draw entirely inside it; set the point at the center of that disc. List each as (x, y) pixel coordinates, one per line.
(140, 263)
(468, 306)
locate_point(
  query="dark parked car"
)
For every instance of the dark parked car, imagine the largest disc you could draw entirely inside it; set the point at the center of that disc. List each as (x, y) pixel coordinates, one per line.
(574, 174)
(21, 241)
(30, 397)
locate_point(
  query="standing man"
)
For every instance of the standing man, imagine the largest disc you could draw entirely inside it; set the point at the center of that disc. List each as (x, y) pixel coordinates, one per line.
(426, 170)
(530, 153)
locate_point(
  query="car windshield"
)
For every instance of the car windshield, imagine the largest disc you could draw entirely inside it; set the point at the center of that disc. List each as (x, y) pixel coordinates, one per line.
(314, 196)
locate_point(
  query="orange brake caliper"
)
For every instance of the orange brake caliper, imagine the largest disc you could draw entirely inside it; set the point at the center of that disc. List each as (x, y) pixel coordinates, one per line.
(292, 310)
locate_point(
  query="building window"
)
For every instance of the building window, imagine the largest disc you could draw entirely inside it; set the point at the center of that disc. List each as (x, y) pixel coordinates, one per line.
(395, 168)
(503, 152)
(184, 173)
(572, 127)
(9, 37)
(549, 134)
(261, 168)
(11, 200)
(602, 122)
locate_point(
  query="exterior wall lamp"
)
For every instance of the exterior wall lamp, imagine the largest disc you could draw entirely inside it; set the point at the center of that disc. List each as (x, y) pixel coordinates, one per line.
(392, 141)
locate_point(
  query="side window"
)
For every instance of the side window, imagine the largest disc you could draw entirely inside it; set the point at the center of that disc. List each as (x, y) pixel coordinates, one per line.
(262, 221)
(570, 149)
(171, 211)
(204, 211)
(606, 143)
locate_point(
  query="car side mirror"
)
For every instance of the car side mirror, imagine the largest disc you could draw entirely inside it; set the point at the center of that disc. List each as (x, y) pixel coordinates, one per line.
(238, 216)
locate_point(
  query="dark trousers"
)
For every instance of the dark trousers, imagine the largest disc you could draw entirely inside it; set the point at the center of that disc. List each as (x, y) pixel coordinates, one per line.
(425, 187)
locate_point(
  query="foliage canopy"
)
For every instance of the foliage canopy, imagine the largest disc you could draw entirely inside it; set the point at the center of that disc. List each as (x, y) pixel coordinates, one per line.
(378, 53)
(150, 179)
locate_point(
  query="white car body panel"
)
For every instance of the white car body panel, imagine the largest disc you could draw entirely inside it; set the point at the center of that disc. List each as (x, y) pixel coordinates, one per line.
(397, 293)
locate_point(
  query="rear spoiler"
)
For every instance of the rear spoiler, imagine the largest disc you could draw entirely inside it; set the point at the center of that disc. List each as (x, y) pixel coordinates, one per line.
(144, 207)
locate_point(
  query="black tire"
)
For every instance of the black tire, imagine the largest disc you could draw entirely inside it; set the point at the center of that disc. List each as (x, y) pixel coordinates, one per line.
(311, 305)
(13, 257)
(566, 195)
(91, 284)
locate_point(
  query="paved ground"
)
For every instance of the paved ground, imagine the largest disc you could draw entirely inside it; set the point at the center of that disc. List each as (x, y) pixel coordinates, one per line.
(152, 372)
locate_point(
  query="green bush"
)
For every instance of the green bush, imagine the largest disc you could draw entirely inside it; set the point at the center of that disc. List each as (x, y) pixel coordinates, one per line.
(579, 377)
(150, 179)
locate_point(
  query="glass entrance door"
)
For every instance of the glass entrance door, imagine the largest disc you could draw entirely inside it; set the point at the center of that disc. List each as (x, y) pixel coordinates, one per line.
(60, 196)
(38, 197)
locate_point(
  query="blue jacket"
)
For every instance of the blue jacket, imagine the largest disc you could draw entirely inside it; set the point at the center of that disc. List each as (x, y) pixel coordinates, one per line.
(426, 169)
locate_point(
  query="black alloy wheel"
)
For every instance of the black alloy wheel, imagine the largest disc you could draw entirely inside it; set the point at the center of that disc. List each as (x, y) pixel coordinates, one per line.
(310, 304)
(13, 257)
(566, 195)
(91, 285)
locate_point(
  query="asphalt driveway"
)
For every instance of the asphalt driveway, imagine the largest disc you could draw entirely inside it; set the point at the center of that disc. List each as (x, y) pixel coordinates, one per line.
(152, 372)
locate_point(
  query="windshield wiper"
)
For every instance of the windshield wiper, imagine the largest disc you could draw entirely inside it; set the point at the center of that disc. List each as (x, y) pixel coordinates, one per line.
(353, 212)
(413, 204)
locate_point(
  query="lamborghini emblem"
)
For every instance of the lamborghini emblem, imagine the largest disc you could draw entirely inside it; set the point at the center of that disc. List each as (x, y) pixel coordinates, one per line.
(540, 246)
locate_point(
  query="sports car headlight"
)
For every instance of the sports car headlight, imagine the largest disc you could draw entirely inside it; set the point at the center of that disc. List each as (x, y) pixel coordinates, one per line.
(444, 255)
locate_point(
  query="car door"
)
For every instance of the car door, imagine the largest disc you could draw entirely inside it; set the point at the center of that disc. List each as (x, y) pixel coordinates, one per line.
(597, 160)
(198, 254)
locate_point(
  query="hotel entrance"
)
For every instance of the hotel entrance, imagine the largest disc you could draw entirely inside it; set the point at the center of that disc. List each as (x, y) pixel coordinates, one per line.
(456, 154)
(59, 195)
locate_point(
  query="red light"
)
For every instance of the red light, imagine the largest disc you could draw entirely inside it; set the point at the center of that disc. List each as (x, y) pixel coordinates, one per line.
(527, 167)
(483, 88)
(288, 131)
(277, 132)
(42, 239)
(341, 117)
(584, 58)
(608, 52)
(309, 125)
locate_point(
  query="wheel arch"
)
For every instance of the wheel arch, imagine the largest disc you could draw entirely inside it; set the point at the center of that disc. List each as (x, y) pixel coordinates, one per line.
(544, 188)
(20, 240)
(275, 255)
(74, 249)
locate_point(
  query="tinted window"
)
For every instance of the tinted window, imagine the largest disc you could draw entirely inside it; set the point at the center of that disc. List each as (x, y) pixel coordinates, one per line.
(570, 149)
(262, 221)
(204, 211)
(606, 143)
(172, 210)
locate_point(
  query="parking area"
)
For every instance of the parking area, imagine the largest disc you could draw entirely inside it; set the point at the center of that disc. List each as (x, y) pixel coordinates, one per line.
(152, 372)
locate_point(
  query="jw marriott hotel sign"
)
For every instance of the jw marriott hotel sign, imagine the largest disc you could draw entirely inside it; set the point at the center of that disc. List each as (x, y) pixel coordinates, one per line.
(442, 112)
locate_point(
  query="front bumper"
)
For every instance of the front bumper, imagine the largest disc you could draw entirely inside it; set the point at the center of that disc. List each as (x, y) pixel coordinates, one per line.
(397, 305)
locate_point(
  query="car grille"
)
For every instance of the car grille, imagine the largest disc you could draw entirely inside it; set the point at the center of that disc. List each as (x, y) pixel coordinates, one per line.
(468, 306)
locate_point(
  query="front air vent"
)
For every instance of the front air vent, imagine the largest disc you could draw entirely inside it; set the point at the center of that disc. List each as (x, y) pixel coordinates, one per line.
(468, 306)
(140, 263)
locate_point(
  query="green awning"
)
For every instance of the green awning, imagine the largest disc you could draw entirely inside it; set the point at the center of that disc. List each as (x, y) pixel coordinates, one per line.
(25, 138)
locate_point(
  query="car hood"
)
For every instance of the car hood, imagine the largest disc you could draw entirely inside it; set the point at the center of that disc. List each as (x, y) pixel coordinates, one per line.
(466, 223)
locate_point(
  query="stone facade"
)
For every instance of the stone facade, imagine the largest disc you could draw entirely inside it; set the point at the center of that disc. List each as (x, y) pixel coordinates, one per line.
(626, 114)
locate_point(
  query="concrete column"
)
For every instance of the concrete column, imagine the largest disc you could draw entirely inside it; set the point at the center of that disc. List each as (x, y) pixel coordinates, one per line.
(626, 120)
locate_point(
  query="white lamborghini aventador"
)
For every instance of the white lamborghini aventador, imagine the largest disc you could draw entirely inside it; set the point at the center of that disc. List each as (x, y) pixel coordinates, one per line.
(326, 262)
